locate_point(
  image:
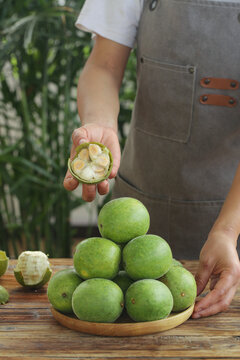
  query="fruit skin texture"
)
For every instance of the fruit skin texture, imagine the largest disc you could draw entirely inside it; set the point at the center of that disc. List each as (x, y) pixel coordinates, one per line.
(148, 300)
(176, 262)
(4, 295)
(182, 285)
(3, 262)
(97, 258)
(123, 280)
(147, 257)
(60, 289)
(98, 300)
(123, 219)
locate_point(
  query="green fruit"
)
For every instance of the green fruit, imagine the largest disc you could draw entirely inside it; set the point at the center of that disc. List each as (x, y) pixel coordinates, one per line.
(4, 295)
(182, 285)
(147, 257)
(176, 262)
(123, 281)
(61, 287)
(97, 258)
(98, 300)
(123, 219)
(92, 165)
(148, 300)
(3, 262)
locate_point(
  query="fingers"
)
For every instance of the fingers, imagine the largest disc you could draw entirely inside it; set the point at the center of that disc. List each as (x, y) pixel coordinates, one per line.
(110, 139)
(88, 192)
(216, 307)
(103, 187)
(214, 280)
(202, 276)
(69, 182)
(219, 298)
(80, 136)
(116, 153)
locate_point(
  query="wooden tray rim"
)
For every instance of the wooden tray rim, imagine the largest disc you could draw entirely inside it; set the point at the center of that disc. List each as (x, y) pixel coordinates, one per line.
(123, 329)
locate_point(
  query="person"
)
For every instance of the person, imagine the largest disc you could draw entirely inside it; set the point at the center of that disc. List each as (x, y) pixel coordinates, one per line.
(181, 158)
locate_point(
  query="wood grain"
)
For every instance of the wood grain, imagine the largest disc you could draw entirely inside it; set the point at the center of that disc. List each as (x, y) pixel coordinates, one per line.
(28, 330)
(126, 328)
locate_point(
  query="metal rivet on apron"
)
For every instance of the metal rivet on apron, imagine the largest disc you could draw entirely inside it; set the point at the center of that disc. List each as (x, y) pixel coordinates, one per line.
(153, 5)
(204, 98)
(233, 84)
(207, 81)
(191, 70)
(231, 101)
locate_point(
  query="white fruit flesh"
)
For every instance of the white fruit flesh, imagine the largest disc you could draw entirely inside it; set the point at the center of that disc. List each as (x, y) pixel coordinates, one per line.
(102, 160)
(94, 151)
(78, 165)
(33, 266)
(92, 163)
(84, 154)
(88, 173)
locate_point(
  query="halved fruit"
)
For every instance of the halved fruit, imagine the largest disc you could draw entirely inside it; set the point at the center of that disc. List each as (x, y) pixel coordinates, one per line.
(91, 164)
(3, 262)
(4, 295)
(32, 269)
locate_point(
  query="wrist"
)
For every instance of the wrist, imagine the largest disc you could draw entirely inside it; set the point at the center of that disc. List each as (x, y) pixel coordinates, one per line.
(224, 230)
(100, 121)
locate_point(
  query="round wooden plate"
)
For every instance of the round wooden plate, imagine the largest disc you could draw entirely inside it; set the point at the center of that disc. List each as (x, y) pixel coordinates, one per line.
(124, 328)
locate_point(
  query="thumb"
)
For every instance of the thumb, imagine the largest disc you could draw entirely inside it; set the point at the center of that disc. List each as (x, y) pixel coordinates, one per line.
(203, 274)
(80, 136)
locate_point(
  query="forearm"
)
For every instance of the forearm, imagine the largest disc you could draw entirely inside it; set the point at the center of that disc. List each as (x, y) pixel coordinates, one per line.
(228, 220)
(97, 98)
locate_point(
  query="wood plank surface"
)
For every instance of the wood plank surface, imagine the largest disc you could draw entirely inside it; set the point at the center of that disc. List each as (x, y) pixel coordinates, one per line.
(28, 330)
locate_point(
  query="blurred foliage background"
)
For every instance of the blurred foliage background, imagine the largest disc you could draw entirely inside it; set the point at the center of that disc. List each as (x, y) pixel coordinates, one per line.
(41, 56)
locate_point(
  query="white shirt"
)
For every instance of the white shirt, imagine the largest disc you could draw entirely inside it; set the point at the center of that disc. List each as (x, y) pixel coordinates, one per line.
(116, 20)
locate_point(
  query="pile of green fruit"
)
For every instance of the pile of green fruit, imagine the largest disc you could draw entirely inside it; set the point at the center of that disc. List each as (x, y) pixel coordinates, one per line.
(125, 268)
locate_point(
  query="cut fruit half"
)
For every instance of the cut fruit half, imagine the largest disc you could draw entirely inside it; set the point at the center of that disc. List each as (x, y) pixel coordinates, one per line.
(91, 164)
(33, 269)
(3, 262)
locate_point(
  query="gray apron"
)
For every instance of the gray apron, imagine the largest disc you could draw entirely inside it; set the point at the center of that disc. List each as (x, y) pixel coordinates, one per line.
(184, 143)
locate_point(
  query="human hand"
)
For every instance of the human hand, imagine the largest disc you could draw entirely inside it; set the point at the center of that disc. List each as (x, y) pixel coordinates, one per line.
(101, 134)
(219, 262)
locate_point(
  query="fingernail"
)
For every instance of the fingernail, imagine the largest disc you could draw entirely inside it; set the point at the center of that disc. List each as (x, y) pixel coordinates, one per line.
(196, 316)
(82, 141)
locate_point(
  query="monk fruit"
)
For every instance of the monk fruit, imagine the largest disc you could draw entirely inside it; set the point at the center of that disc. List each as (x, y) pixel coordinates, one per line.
(147, 257)
(123, 219)
(182, 285)
(148, 300)
(33, 269)
(97, 258)
(3, 262)
(98, 300)
(91, 164)
(60, 289)
(4, 295)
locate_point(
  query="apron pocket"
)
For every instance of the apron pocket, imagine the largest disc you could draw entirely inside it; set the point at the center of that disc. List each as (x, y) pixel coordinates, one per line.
(165, 98)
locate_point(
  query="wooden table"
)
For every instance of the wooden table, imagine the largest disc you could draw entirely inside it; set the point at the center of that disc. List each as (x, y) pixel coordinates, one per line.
(28, 330)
